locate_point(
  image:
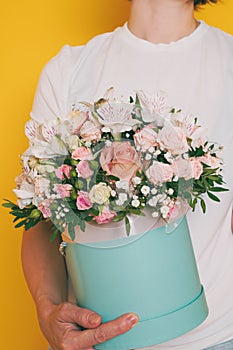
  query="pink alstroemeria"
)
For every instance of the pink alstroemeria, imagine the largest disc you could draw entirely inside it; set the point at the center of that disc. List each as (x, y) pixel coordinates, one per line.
(62, 190)
(44, 207)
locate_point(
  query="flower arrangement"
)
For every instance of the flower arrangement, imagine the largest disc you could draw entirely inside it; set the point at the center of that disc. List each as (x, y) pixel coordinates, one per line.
(111, 159)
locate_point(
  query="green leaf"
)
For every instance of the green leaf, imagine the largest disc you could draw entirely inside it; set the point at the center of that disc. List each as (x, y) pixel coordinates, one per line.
(213, 197)
(21, 223)
(203, 205)
(127, 226)
(218, 189)
(83, 225)
(112, 177)
(71, 231)
(136, 211)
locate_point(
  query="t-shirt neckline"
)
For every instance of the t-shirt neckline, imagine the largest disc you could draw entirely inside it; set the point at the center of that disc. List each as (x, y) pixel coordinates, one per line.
(183, 42)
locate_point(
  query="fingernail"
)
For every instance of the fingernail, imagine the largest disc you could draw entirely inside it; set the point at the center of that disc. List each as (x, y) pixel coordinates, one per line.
(93, 319)
(132, 319)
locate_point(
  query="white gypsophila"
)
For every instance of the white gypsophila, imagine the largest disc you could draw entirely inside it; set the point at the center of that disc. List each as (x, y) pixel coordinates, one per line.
(164, 211)
(155, 214)
(157, 153)
(168, 157)
(88, 144)
(148, 156)
(170, 191)
(113, 193)
(135, 203)
(122, 198)
(145, 190)
(161, 197)
(136, 180)
(153, 201)
(135, 196)
(154, 190)
(122, 185)
(175, 178)
(151, 149)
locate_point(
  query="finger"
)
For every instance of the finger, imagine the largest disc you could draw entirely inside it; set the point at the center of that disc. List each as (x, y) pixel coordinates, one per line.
(106, 331)
(83, 317)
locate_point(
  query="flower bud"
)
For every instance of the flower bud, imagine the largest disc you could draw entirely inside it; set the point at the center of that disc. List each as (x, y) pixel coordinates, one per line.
(35, 214)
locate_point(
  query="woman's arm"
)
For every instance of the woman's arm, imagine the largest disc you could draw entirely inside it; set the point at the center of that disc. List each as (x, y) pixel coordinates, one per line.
(45, 273)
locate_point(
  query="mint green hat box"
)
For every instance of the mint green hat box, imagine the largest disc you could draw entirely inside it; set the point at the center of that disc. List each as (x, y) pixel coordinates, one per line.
(152, 274)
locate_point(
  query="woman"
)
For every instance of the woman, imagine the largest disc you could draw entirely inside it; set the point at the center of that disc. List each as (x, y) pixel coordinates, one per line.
(164, 47)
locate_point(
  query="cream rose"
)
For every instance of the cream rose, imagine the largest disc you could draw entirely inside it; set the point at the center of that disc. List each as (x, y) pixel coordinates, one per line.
(100, 193)
(120, 159)
(183, 168)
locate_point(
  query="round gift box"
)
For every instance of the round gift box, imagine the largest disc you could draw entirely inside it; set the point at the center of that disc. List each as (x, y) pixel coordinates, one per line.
(153, 274)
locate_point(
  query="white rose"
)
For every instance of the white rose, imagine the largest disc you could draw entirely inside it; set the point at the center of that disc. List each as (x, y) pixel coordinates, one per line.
(100, 193)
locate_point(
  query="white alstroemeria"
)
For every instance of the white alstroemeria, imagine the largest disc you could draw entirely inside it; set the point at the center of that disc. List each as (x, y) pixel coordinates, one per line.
(76, 120)
(117, 117)
(49, 129)
(42, 187)
(145, 190)
(122, 184)
(154, 107)
(25, 190)
(194, 131)
(31, 129)
(73, 142)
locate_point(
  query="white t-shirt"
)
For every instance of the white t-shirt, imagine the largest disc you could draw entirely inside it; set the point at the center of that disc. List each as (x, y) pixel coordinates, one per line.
(197, 74)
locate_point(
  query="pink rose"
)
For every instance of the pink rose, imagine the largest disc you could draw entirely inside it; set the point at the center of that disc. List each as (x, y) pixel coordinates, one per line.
(106, 216)
(145, 138)
(173, 139)
(211, 161)
(82, 153)
(183, 168)
(83, 169)
(159, 172)
(90, 131)
(197, 167)
(120, 159)
(44, 207)
(83, 202)
(62, 190)
(64, 169)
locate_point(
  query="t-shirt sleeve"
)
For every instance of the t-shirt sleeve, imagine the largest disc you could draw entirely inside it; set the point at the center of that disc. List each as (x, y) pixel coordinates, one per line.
(50, 100)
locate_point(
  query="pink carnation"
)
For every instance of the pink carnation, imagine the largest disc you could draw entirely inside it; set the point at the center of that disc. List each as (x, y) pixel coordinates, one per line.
(64, 169)
(83, 202)
(62, 190)
(106, 216)
(82, 153)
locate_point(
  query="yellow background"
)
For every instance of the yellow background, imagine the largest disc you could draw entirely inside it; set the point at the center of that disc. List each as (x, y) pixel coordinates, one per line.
(31, 33)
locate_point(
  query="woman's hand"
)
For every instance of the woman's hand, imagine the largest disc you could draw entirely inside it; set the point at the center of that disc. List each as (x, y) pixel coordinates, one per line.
(63, 324)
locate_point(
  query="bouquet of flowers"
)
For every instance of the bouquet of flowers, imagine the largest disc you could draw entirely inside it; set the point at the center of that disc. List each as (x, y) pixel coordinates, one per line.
(108, 160)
